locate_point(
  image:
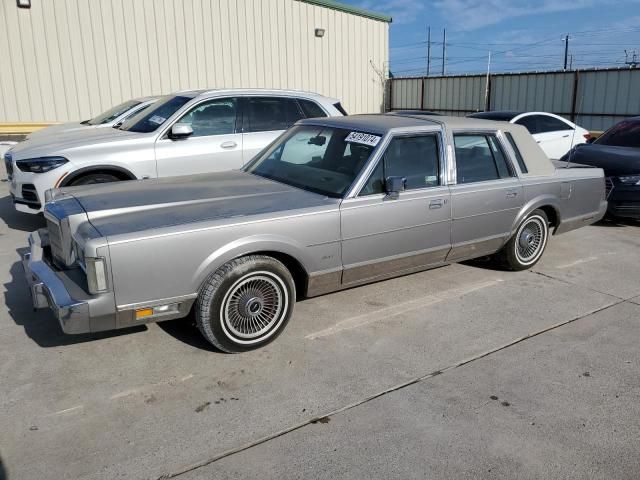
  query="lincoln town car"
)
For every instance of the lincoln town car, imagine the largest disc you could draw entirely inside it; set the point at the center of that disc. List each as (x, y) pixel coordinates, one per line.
(331, 204)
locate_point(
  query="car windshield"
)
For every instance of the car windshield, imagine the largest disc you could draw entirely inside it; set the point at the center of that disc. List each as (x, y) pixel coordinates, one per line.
(623, 134)
(149, 119)
(113, 113)
(319, 159)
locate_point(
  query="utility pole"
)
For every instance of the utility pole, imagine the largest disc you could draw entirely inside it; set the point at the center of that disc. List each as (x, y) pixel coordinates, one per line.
(444, 48)
(428, 50)
(566, 50)
(571, 62)
(486, 91)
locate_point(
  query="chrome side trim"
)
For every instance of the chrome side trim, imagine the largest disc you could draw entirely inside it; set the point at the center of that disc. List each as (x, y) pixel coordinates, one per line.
(155, 303)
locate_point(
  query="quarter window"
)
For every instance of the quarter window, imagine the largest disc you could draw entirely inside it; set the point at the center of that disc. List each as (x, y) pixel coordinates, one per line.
(264, 114)
(311, 109)
(214, 117)
(516, 150)
(550, 124)
(417, 159)
(480, 158)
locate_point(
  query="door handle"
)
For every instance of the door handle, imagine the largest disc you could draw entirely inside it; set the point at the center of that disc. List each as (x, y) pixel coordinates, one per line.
(512, 194)
(565, 136)
(435, 203)
(229, 144)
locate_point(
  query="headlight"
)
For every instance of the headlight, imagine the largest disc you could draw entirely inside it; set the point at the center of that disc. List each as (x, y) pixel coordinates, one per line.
(40, 165)
(630, 179)
(96, 274)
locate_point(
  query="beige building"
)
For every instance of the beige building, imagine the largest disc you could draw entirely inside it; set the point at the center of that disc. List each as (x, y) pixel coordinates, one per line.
(71, 59)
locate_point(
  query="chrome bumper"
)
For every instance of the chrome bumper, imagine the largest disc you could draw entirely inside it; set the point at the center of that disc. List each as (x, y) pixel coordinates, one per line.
(48, 290)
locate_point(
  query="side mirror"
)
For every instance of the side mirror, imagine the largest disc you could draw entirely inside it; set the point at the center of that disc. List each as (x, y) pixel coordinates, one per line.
(180, 130)
(394, 185)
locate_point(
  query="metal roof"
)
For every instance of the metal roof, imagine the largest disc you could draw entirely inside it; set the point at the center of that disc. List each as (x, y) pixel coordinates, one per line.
(350, 9)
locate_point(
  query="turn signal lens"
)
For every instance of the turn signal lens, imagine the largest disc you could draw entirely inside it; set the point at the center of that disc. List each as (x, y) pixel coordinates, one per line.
(143, 312)
(96, 274)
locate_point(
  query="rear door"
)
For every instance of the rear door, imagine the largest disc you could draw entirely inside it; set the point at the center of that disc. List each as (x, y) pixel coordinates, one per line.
(382, 236)
(264, 120)
(486, 198)
(215, 145)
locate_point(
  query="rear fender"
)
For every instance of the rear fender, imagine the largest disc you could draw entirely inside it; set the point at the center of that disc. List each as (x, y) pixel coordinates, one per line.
(535, 203)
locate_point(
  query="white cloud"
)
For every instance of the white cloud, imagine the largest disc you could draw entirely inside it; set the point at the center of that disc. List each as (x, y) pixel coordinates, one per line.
(473, 14)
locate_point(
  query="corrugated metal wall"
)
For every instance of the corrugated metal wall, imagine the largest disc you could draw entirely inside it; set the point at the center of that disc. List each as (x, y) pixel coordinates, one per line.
(602, 97)
(71, 59)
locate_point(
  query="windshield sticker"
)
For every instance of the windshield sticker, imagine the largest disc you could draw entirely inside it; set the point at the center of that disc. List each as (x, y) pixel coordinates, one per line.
(157, 119)
(363, 138)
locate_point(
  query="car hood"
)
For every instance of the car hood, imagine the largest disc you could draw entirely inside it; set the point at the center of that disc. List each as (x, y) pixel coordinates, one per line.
(57, 129)
(217, 198)
(613, 160)
(61, 144)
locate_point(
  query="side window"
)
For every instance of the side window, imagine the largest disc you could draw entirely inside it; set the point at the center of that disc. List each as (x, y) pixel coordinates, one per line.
(214, 117)
(529, 122)
(516, 150)
(265, 114)
(311, 109)
(480, 158)
(550, 124)
(415, 158)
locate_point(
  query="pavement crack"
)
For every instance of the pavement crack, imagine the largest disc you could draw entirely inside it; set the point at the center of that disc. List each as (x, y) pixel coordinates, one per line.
(408, 383)
(551, 277)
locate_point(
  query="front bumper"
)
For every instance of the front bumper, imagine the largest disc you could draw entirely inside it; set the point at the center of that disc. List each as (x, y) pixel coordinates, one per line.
(624, 201)
(48, 289)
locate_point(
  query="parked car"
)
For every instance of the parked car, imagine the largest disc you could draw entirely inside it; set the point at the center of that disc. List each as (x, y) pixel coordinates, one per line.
(555, 134)
(185, 133)
(617, 152)
(333, 203)
(114, 117)
(412, 112)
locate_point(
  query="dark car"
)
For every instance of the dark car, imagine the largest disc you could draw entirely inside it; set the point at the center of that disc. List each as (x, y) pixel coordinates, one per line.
(617, 152)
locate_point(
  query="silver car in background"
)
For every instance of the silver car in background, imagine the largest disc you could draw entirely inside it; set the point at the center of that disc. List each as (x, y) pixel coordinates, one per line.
(333, 203)
(185, 133)
(114, 117)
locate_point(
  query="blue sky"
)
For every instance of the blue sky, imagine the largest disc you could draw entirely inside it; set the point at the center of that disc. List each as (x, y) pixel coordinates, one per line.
(523, 35)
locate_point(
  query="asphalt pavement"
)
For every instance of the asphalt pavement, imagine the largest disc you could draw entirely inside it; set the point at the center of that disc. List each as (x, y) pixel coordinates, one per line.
(459, 372)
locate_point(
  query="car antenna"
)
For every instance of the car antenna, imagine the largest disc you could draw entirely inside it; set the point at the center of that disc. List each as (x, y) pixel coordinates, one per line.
(573, 135)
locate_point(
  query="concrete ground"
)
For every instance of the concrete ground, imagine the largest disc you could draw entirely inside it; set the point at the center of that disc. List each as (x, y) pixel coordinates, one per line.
(459, 372)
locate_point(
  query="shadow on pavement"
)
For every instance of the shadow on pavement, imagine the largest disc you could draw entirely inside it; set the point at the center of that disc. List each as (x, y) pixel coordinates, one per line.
(18, 220)
(617, 222)
(185, 330)
(41, 325)
(3, 471)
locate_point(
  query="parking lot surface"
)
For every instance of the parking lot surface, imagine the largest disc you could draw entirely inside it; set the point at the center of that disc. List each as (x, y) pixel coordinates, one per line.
(459, 372)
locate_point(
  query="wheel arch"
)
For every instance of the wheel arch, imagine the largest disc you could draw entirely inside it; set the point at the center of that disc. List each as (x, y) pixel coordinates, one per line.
(120, 172)
(548, 204)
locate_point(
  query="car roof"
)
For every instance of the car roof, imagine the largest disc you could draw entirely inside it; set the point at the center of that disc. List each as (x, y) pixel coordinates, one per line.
(499, 115)
(151, 98)
(252, 91)
(383, 123)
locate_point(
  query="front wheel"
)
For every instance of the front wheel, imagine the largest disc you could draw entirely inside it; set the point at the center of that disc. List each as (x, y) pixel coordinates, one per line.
(246, 303)
(524, 249)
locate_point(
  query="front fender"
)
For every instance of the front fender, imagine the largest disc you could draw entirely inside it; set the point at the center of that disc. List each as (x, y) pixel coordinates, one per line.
(546, 200)
(248, 245)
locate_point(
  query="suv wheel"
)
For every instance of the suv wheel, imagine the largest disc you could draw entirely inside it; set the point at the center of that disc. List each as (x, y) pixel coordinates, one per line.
(246, 303)
(93, 178)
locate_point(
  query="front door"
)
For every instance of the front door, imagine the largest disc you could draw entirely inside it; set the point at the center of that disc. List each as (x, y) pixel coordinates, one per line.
(486, 198)
(214, 146)
(382, 236)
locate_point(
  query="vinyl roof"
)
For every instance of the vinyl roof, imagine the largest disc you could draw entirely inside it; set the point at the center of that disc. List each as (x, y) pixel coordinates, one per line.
(350, 9)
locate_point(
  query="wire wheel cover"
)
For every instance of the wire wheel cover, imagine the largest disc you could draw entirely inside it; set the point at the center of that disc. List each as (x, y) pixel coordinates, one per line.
(531, 239)
(253, 305)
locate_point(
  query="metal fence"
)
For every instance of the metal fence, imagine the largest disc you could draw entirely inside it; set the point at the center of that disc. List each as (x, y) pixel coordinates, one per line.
(595, 99)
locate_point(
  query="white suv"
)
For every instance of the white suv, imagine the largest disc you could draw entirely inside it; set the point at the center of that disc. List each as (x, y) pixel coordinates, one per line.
(180, 134)
(114, 117)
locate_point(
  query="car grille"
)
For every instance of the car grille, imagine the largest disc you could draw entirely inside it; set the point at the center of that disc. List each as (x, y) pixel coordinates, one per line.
(8, 163)
(30, 195)
(608, 185)
(55, 242)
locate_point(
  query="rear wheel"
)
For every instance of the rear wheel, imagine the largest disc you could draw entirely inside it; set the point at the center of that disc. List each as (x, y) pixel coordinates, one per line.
(246, 303)
(525, 248)
(93, 178)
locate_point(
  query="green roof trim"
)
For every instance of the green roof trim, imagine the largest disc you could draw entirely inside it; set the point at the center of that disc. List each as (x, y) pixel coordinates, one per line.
(349, 9)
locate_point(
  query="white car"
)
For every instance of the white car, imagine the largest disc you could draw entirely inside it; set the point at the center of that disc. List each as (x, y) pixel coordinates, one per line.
(555, 135)
(184, 133)
(114, 117)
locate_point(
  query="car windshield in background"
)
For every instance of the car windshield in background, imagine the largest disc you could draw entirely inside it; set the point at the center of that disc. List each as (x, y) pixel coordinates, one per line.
(149, 119)
(318, 159)
(623, 134)
(113, 113)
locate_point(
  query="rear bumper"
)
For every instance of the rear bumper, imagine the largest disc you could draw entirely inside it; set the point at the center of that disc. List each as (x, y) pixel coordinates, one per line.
(48, 290)
(583, 220)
